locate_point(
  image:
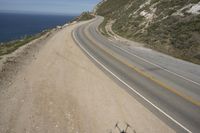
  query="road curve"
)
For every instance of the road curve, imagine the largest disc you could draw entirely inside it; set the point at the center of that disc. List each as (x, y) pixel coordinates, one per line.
(172, 97)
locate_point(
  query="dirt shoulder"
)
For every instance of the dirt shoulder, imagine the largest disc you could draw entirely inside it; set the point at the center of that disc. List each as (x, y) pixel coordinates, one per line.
(58, 90)
(11, 64)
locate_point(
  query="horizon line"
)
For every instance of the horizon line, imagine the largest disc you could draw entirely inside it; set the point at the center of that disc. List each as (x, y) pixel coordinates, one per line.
(38, 13)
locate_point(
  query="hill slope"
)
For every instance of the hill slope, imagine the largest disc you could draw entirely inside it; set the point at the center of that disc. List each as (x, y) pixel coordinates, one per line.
(169, 26)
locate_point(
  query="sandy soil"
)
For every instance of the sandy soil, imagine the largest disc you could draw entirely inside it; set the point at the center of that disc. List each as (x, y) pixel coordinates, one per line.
(60, 90)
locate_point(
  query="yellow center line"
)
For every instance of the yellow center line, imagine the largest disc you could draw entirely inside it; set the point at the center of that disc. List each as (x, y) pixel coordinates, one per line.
(173, 90)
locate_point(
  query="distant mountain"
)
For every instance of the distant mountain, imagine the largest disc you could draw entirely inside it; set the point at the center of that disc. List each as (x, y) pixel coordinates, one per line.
(169, 26)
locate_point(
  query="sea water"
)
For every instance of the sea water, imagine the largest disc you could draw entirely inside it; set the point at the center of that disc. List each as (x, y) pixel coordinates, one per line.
(15, 26)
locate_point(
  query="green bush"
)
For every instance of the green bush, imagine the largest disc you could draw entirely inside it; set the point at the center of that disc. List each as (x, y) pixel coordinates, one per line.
(9, 47)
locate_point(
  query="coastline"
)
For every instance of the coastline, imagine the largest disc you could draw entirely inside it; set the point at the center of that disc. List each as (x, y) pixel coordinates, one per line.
(16, 26)
(12, 62)
(7, 47)
(11, 46)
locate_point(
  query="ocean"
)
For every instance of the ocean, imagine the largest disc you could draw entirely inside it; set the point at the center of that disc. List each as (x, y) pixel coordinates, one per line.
(15, 26)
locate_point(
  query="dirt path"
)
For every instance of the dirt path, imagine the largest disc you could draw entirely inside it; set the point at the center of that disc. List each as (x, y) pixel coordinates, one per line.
(62, 91)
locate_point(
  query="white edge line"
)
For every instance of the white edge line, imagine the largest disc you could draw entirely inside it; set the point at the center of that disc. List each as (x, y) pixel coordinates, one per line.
(130, 86)
(187, 79)
(159, 66)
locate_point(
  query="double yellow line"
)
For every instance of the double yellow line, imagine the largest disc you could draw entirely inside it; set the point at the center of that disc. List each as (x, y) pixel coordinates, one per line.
(173, 90)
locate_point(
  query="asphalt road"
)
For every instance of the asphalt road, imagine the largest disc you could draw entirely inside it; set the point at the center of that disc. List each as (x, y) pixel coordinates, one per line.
(171, 95)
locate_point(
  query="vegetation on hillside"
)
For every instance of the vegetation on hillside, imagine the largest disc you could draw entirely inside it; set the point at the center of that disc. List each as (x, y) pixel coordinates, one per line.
(9, 47)
(166, 26)
(85, 16)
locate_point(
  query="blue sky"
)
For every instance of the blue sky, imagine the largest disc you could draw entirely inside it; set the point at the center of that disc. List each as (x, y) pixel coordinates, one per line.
(47, 6)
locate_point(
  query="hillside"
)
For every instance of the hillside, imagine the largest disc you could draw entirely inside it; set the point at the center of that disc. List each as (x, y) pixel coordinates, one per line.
(169, 26)
(84, 16)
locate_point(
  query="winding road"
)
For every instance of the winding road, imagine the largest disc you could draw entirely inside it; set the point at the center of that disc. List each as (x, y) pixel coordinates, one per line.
(163, 84)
